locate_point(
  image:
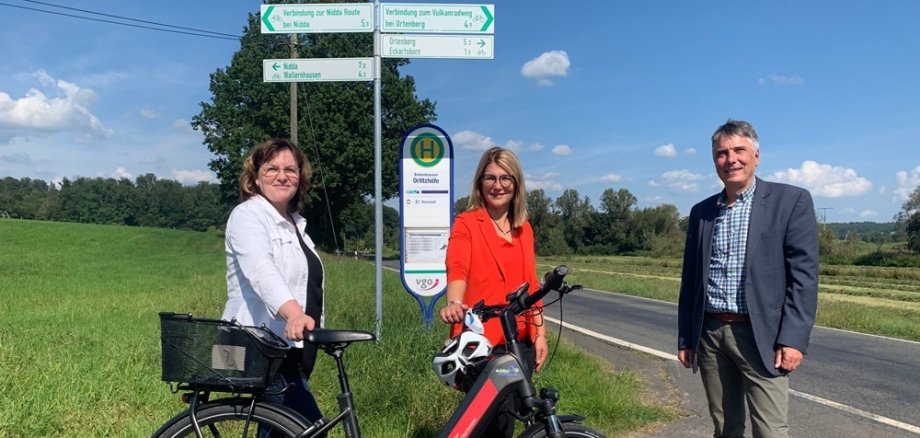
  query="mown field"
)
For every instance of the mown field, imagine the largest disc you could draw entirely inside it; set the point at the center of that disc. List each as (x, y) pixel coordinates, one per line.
(80, 347)
(877, 300)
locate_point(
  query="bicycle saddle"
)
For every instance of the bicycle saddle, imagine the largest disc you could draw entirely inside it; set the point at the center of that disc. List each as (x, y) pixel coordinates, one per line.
(324, 337)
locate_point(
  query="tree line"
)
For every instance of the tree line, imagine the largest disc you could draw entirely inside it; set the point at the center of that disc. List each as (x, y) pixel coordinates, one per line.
(147, 202)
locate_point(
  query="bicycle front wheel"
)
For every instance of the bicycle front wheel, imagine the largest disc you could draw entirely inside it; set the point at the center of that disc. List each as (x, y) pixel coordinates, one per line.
(571, 430)
(227, 418)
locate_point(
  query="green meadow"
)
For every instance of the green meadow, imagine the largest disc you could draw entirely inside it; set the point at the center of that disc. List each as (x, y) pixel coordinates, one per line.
(80, 347)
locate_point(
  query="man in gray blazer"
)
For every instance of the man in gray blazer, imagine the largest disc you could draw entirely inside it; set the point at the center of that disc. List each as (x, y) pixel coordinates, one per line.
(749, 289)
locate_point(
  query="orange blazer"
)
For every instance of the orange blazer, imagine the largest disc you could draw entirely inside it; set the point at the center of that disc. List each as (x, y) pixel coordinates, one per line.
(472, 256)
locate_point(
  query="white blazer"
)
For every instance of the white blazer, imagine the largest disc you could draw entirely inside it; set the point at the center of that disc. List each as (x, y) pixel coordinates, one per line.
(266, 266)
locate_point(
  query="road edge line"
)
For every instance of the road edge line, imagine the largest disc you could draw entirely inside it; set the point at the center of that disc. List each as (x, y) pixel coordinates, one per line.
(669, 356)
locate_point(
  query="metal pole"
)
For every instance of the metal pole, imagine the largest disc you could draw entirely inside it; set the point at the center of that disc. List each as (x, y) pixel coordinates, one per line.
(378, 175)
(294, 94)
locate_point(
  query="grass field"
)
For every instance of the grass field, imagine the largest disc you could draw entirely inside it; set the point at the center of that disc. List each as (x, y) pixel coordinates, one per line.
(80, 348)
(876, 300)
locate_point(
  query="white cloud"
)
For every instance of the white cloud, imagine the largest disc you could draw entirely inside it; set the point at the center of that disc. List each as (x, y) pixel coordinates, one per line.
(679, 180)
(535, 147)
(148, 113)
(548, 64)
(781, 80)
(667, 150)
(38, 114)
(183, 126)
(562, 149)
(121, 172)
(611, 177)
(192, 177)
(477, 142)
(825, 180)
(691, 151)
(908, 181)
(546, 181)
(472, 140)
(866, 214)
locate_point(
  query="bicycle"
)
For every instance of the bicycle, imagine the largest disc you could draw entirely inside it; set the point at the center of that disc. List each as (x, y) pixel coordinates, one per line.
(206, 355)
(469, 363)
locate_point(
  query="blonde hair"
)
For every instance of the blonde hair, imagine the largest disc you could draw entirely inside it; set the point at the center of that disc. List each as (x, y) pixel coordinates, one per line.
(505, 159)
(264, 153)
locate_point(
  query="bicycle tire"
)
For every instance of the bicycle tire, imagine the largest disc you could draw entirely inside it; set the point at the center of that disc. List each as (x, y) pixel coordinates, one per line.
(576, 430)
(227, 418)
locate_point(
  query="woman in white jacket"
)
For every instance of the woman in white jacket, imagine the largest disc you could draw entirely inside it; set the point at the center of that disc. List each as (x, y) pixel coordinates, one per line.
(274, 275)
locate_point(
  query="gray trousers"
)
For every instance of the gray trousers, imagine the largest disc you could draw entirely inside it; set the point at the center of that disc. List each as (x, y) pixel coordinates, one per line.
(733, 374)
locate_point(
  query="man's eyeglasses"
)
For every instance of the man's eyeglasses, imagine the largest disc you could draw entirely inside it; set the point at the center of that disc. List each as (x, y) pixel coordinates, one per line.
(504, 180)
(273, 171)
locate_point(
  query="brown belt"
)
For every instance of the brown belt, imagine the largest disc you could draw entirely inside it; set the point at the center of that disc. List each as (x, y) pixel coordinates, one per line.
(729, 317)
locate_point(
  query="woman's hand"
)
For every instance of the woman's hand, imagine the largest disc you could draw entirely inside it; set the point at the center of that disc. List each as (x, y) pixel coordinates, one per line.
(297, 325)
(296, 321)
(453, 312)
(542, 349)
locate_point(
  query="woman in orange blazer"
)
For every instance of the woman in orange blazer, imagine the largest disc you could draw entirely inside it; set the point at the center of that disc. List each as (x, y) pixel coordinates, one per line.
(491, 253)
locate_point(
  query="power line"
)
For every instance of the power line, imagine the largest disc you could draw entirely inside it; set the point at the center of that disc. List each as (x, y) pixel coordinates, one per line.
(131, 19)
(204, 34)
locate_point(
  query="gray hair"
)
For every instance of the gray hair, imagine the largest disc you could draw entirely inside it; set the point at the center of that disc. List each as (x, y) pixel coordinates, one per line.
(738, 128)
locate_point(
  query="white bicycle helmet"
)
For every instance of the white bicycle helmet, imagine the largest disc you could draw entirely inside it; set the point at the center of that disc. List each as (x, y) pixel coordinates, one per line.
(458, 355)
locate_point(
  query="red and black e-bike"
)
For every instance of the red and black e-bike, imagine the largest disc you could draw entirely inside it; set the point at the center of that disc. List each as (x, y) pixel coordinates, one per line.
(488, 378)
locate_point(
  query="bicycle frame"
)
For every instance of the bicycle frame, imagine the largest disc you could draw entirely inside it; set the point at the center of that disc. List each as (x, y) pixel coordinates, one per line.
(507, 372)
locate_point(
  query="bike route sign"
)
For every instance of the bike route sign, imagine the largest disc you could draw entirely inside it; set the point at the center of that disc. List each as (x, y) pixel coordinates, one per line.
(437, 46)
(437, 18)
(317, 69)
(315, 18)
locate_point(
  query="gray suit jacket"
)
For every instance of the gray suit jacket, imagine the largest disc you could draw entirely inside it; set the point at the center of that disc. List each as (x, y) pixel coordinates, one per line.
(781, 267)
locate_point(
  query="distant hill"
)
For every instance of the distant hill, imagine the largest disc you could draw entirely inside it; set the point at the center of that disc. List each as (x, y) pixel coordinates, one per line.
(867, 231)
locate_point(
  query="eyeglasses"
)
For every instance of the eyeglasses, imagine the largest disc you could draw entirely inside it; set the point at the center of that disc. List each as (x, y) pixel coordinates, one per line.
(273, 171)
(504, 180)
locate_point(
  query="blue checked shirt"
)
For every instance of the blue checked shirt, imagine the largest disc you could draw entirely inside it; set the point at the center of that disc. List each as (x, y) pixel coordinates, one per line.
(725, 290)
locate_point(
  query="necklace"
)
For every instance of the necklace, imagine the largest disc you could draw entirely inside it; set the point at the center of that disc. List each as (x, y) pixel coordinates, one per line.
(500, 227)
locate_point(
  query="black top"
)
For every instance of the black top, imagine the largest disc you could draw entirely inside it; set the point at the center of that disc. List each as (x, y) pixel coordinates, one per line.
(314, 307)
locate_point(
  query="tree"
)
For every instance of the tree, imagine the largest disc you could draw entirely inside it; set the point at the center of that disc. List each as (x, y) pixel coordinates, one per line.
(575, 215)
(910, 217)
(335, 121)
(549, 238)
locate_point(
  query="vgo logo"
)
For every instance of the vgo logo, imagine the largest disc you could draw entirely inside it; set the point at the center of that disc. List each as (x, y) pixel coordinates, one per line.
(427, 283)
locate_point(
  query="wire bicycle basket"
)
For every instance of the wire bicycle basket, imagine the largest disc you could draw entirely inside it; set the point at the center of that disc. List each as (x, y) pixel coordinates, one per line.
(218, 355)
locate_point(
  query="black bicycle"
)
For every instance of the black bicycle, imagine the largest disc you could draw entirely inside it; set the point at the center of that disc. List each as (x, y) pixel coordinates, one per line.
(205, 356)
(469, 364)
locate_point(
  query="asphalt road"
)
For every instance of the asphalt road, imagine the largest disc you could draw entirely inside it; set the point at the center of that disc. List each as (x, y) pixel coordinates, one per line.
(850, 385)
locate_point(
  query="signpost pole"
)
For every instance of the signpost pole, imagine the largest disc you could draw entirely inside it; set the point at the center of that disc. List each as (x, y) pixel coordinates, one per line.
(378, 178)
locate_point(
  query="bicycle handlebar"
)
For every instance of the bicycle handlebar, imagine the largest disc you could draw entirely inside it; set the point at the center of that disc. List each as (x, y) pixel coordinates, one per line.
(520, 301)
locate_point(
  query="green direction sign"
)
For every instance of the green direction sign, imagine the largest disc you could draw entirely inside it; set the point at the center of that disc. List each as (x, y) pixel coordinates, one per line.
(437, 18)
(315, 18)
(437, 46)
(317, 70)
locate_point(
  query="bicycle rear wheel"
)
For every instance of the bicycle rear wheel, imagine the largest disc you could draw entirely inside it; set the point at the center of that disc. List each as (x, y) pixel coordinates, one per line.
(571, 430)
(227, 418)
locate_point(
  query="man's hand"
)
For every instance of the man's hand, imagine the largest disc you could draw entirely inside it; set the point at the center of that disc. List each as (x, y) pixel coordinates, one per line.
(787, 358)
(685, 355)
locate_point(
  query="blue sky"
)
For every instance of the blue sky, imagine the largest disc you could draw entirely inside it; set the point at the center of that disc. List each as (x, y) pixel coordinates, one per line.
(591, 95)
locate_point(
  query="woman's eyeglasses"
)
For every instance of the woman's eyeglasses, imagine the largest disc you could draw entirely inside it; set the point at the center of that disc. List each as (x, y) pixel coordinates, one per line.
(504, 180)
(273, 171)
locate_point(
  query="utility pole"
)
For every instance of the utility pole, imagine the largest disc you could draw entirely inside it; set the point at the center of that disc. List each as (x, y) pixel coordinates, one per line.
(823, 216)
(294, 94)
